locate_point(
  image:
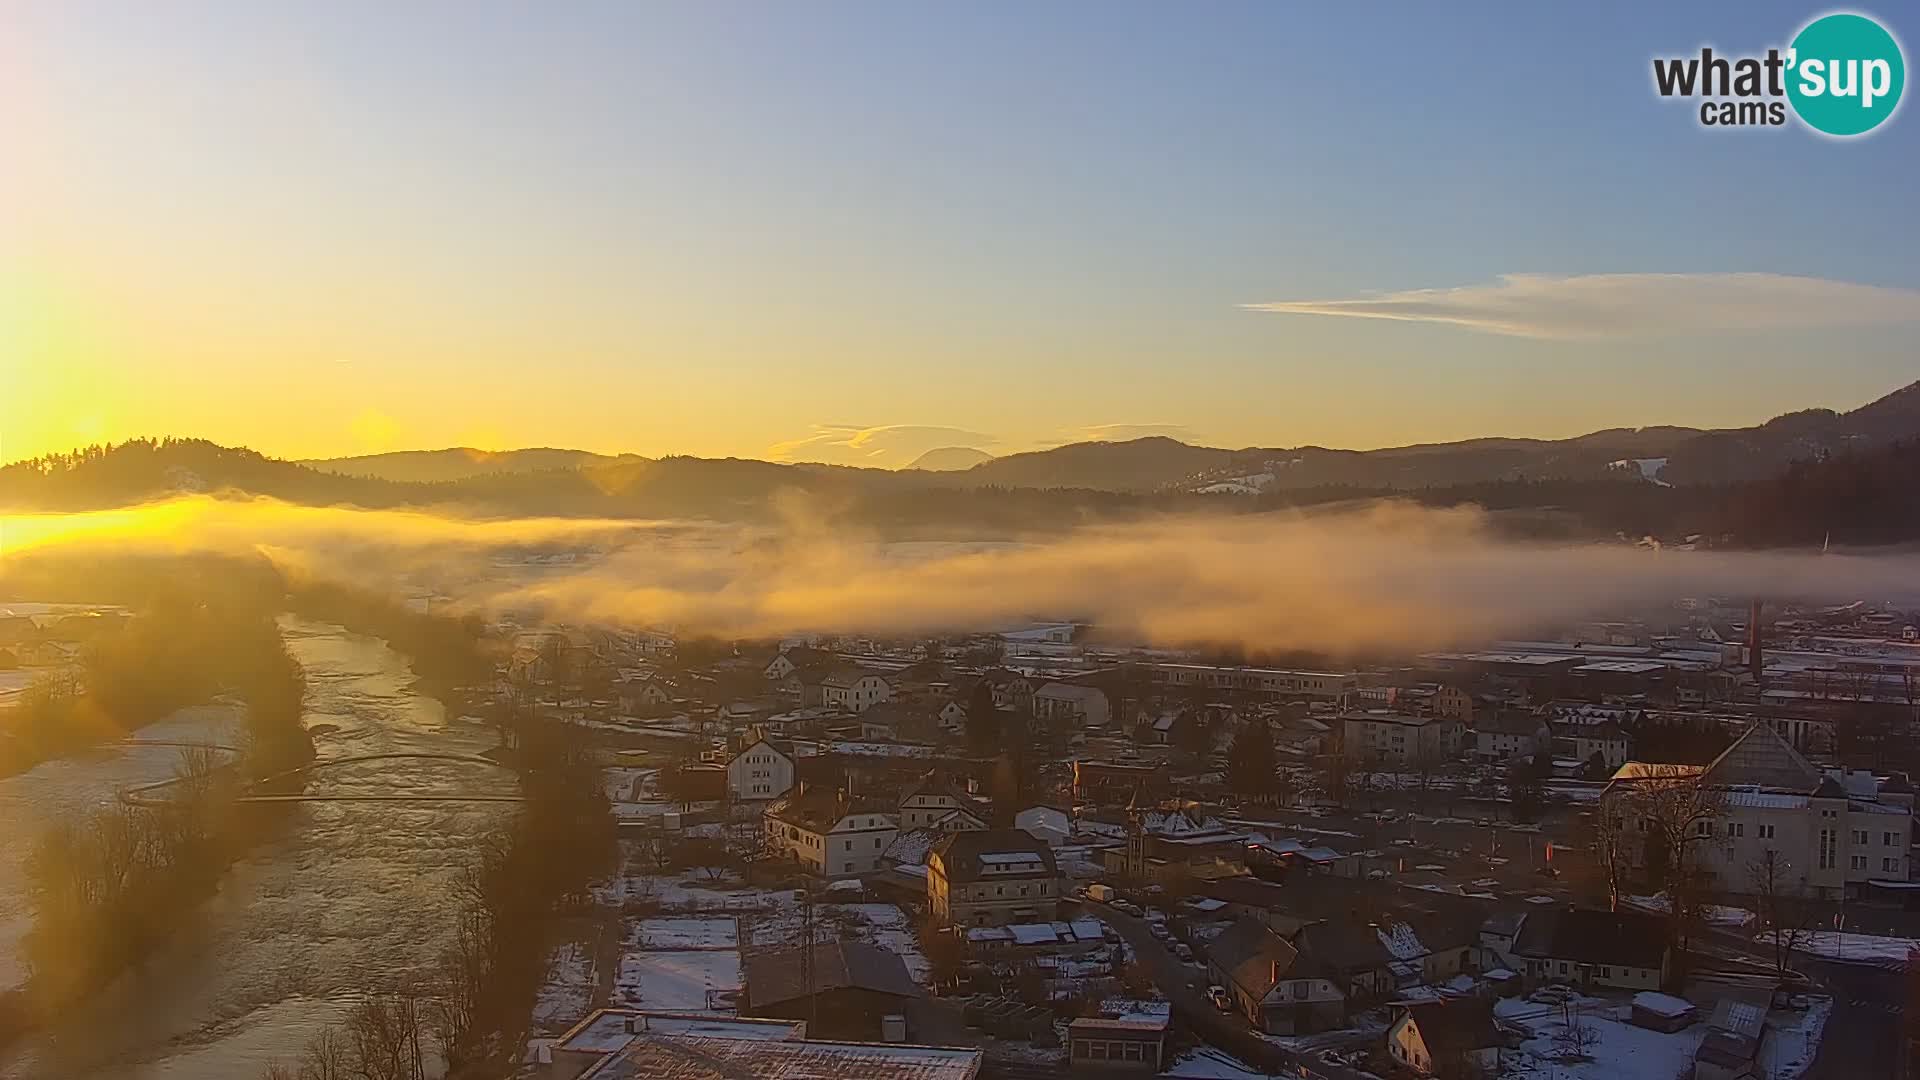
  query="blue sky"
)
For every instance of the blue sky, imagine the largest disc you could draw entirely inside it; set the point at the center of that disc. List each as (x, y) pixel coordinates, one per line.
(850, 231)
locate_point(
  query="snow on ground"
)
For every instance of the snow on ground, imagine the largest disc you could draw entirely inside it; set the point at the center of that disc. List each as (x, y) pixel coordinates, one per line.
(1716, 914)
(1851, 948)
(677, 981)
(568, 992)
(1792, 1040)
(1619, 1049)
(1207, 1063)
(884, 925)
(683, 933)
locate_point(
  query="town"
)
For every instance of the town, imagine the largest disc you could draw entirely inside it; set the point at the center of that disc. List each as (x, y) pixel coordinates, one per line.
(1659, 847)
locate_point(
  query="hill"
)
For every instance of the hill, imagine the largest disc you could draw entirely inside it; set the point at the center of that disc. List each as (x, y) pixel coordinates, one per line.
(950, 459)
(457, 463)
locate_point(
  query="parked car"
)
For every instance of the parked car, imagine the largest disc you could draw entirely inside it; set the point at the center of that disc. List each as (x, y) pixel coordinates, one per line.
(1158, 929)
(1184, 951)
(1100, 893)
(1218, 995)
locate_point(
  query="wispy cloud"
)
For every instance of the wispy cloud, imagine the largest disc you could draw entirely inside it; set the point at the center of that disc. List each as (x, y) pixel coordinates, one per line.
(1123, 432)
(886, 446)
(1628, 305)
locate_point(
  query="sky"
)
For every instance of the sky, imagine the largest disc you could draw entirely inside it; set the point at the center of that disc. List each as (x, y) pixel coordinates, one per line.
(852, 232)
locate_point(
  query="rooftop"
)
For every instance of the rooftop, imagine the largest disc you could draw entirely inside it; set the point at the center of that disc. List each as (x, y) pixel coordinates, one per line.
(703, 1057)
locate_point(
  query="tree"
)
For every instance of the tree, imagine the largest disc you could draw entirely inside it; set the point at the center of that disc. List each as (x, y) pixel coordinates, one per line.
(706, 855)
(1611, 853)
(1335, 777)
(1789, 920)
(1576, 1038)
(388, 1037)
(1526, 786)
(1674, 813)
(983, 718)
(1192, 736)
(326, 1057)
(1252, 768)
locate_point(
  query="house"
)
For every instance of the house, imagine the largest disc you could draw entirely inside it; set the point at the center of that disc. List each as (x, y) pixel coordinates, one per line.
(1351, 954)
(933, 797)
(843, 686)
(992, 877)
(643, 696)
(1269, 982)
(1047, 824)
(1607, 740)
(1505, 734)
(1011, 690)
(828, 832)
(1113, 782)
(1400, 738)
(704, 1057)
(796, 658)
(606, 1033)
(761, 771)
(1455, 1038)
(1119, 1042)
(1071, 703)
(1624, 950)
(842, 990)
(1173, 848)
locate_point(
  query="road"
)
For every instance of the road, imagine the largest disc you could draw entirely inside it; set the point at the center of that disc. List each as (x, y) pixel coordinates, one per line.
(1864, 1033)
(1185, 985)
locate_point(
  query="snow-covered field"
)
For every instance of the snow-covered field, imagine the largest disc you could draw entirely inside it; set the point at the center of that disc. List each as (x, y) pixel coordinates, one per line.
(1852, 948)
(684, 933)
(677, 981)
(568, 992)
(876, 924)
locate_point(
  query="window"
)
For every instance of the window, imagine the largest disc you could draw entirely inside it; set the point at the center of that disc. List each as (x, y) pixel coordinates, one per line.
(1736, 828)
(1857, 862)
(1827, 849)
(1765, 832)
(1860, 836)
(1890, 865)
(1703, 828)
(848, 843)
(1886, 839)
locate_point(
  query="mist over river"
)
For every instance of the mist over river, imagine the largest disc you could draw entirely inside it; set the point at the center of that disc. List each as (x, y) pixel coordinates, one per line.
(343, 897)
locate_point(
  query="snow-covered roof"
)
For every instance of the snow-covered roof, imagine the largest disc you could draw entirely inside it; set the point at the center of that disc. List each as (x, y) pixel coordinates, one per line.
(1033, 933)
(1662, 1004)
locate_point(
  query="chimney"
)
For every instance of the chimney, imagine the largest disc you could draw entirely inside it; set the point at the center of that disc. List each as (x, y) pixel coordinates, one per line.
(1756, 660)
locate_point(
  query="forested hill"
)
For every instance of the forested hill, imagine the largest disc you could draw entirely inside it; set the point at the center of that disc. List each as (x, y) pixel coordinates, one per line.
(1866, 497)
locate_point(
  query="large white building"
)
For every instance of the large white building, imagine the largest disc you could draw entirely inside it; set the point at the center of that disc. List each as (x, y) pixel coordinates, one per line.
(1084, 705)
(1396, 738)
(761, 771)
(844, 687)
(1829, 832)
(830, 834)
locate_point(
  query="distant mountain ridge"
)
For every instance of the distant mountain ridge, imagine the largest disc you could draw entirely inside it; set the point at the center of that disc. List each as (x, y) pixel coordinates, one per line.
(456, 463)
(561, 481)
(950, 459)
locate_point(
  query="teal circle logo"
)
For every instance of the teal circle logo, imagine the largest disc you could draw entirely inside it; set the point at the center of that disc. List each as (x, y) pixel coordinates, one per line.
(1845, 74)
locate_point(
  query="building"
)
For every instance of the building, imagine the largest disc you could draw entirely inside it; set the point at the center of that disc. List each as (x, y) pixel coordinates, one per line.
(1400, 738)
(1505, 734)
(1071, 703)
(602, 1036)
(1175, 849)
(845, 990)
(1730, 1050)
(644, 696)
(1607, 741)
(1273, 683)
(1119, 1042)
(933, 798)
(1269, 982)
(844, 687)
(1446, 1038)
(829, 833)
(1623, 950)
(761, 771)
(992, 877)
(1114, 782)
(796, 658)
(1826, 834)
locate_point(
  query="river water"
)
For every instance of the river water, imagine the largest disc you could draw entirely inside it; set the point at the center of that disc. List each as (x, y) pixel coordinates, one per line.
(346, 898)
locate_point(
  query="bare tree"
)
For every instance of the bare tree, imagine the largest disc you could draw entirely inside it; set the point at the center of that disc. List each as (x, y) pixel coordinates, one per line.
(326, 1057)
(1611, 853)
(387, 1036)
(1784, 915)
(1576, 1038)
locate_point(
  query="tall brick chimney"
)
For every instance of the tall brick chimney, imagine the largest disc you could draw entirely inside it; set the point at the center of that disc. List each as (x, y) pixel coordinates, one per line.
(1756, 644)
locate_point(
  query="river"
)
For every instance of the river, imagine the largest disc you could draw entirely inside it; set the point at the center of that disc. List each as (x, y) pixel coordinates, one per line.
(347, 898)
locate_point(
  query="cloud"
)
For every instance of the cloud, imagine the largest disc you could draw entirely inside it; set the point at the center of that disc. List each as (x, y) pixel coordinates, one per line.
(1629, 305)
(888, 446)
(1379, 578)
(1123, 432)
